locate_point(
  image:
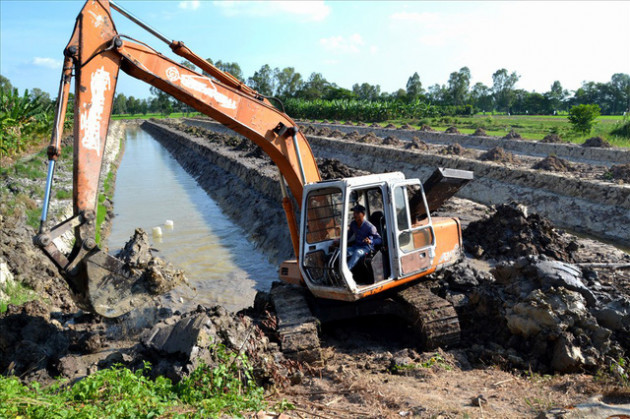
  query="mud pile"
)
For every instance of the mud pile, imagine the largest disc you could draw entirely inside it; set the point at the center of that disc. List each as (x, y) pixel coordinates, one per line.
(596, 142)
(391, 140)
(511, 233)
(620, 172)
(513, 135)
(452, 130)
(156, 275)
(554, 164)
(353, 136)
(369, 138)
(552, 138)
(539, 314)
(480, 132)
(336, 134)
(453, 150)
(30, 266)
(426, 128)
(417, 144)
(499, 155)
(324, 132)
(334, 169)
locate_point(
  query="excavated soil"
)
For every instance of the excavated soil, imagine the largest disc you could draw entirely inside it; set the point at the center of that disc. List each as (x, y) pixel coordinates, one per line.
(511, 233)
(452, 130)
(620, 172)
(393, 141)
(417, 144)
(499, 155)
(513, 135)
(551, 139)
(554, 164)
(480, 132)
(597, 142)
(453, 150)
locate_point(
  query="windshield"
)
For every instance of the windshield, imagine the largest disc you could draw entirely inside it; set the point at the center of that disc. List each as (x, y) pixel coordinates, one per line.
(323, 216)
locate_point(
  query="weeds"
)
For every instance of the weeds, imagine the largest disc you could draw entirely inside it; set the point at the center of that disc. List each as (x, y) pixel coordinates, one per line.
(227, 389)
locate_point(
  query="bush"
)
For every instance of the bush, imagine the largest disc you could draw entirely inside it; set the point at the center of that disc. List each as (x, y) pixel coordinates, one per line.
(582, 117)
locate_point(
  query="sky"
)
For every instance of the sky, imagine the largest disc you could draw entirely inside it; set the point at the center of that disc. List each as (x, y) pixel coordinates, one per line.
(347, 41)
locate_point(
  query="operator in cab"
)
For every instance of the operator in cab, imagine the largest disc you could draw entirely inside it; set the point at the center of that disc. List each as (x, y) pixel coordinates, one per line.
(365, 237)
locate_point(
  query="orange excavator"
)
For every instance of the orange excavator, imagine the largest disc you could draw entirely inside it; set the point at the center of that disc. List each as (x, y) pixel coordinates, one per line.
(414, 244)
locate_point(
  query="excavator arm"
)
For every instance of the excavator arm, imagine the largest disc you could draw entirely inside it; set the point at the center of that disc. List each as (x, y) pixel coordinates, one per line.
(96, 53)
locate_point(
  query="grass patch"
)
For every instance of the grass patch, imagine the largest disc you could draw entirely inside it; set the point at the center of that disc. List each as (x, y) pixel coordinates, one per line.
(225, 390)
(17, 294)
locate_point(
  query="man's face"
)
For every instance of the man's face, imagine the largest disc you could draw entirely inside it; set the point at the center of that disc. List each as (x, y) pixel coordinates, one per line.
(358, 217)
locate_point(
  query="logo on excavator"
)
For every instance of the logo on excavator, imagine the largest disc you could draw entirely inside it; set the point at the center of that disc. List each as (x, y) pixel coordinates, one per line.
(201, 85)
(91, 117)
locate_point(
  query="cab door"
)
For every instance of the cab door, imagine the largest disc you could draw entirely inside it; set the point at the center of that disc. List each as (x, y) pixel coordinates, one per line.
(412, 245)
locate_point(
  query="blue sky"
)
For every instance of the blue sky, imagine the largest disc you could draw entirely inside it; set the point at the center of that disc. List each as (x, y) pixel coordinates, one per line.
(348, 42)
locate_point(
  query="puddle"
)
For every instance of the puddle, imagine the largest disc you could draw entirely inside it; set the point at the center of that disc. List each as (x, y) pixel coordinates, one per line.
(222, 266)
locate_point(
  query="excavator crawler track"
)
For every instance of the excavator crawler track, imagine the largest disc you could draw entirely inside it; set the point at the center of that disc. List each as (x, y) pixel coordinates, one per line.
(297, 327)
(434, 318)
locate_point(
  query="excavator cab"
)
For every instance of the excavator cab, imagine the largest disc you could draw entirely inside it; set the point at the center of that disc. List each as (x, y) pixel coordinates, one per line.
(408, 251)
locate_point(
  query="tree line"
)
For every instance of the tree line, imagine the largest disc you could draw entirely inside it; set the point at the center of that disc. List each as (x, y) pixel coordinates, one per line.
(456, 96)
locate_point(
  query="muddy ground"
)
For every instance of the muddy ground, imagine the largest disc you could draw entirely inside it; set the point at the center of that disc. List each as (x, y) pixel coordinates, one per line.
(542, 322)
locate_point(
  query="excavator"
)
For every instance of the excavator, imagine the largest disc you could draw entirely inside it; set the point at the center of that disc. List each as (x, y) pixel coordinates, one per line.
(319, 284)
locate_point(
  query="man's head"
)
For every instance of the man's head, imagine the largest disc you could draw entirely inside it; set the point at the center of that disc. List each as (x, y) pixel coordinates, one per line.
(358, 213)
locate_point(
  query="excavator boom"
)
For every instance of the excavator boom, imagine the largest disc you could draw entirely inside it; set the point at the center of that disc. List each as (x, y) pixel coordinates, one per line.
(96, 53)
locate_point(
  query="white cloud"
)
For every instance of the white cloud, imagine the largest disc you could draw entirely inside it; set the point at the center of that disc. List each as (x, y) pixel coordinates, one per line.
(415, 17)
(341, 44)
(47, 62)
(305, 10)
(189, 4)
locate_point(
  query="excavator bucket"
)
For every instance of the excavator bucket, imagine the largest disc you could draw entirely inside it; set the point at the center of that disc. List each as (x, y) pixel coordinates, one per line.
(113, 289)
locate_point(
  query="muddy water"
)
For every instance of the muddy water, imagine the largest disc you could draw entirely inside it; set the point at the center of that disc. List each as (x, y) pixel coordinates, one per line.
(223, 267)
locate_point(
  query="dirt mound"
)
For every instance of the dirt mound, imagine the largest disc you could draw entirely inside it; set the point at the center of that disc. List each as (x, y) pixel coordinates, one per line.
(453, 150)
(452, 130)
(390, 126)
(336, 134)
(512, 135)
(498, 154)
(596, 142)
(511, 233)
(551, 139)
(390, 140)
(324, 132)
(375, 125)
(309, 129)
(157, 275)
(406, 126)
(369, 138)
(417, 144)
(354, 136)
(620, 172)
(334, 169)
(538, 314)
(480, 132)
(554, 164)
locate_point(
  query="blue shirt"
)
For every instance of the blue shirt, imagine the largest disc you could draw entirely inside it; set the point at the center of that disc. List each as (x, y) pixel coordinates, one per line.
(367, 229)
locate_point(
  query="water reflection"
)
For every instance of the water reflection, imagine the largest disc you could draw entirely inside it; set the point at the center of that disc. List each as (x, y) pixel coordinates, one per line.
(219, 261)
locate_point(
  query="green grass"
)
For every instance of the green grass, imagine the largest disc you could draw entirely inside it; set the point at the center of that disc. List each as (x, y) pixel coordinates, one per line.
(225, 390)
(17, 294)
(532, 127)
